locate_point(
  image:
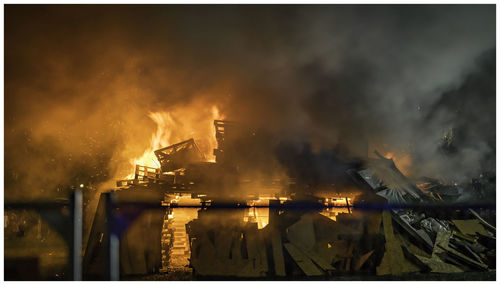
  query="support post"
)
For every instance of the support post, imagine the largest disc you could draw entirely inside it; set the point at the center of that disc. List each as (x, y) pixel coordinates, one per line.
(76, 249)
(113, 243)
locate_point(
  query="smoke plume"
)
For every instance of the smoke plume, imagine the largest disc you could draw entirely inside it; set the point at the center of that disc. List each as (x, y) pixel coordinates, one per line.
(81, 81)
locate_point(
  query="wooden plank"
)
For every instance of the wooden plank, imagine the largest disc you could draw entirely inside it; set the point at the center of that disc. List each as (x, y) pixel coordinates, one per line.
(410, 246)
(411, 257)
(384, 267)
(321, 262)
(397, 263)
(251, 238)
(279, 261)
(203, 261)
(247, 270)
(470, 227)
(435, 262)
(303, 261)
(372, 222)
(326, 230)
(254, 259)
(340, 249)
(437, 265)
(349, 259)
(442, 242)
(395, 256)
(261, 247)
(361, 260)
(302, 232)
(486, 224)
(463, 257)
(222, 245)
(236, 249)
(251, 266)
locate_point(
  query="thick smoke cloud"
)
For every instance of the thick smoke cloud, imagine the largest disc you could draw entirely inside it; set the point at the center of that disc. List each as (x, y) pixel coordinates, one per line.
(463, 119)
(80, 81)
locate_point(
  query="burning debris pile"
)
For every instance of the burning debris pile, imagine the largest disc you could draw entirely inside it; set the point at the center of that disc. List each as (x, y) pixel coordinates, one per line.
(394, 230)
(380, 243)
(312, 91)
(395, 226)
(185, 169)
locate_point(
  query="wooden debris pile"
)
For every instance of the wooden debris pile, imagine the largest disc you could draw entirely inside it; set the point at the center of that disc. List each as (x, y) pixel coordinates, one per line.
(309, 245)
(223, 245)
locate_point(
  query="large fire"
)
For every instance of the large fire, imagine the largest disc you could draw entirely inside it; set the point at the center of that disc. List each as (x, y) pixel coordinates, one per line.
(170, 130)
(158, 140)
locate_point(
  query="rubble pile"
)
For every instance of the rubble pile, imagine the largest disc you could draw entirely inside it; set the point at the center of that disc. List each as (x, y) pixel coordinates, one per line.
(394, 229)
(384, 242)
(395, 226)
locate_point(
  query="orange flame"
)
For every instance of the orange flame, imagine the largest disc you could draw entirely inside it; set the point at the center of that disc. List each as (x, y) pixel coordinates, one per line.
(158, 140)
(170, 131)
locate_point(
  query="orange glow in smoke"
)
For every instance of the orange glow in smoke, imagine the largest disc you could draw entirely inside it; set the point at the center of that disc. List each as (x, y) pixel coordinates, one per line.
(401, 160)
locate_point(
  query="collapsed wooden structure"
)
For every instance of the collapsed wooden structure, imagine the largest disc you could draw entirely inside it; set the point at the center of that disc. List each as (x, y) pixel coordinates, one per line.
(394, 227)
(306, 244)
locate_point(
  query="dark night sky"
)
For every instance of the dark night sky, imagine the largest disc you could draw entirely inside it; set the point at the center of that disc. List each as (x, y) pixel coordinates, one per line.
(81, 79)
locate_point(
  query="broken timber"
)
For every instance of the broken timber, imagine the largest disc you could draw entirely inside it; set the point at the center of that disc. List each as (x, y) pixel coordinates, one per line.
(393, 261)
(279, 261)
(303, 261)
